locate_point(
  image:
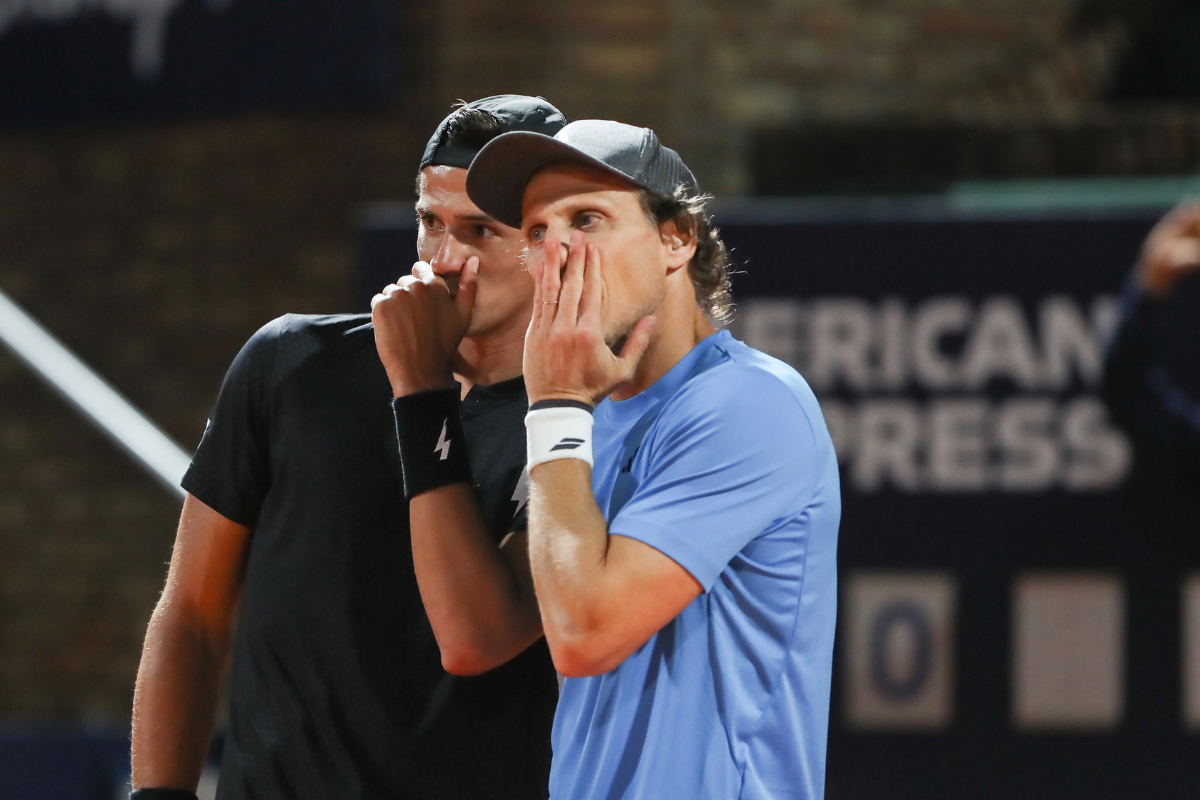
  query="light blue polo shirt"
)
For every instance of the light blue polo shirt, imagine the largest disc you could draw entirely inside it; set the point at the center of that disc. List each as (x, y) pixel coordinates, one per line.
(730, 473)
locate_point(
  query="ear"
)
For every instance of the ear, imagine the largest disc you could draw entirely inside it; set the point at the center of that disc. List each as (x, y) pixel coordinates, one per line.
(678, 245)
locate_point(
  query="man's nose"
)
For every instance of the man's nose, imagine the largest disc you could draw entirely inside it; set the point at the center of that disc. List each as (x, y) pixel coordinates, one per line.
(450, 258)
(560, 233)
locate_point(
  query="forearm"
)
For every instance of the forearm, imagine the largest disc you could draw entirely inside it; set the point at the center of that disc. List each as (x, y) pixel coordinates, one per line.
(481, 607)
(174, 701)
(568, 554)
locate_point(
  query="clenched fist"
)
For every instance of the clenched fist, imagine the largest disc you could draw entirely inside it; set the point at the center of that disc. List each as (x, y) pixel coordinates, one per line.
(419, 324)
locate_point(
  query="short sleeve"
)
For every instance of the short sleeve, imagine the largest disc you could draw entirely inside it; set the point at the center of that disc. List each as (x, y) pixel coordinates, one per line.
(733, 455)
(230, 471)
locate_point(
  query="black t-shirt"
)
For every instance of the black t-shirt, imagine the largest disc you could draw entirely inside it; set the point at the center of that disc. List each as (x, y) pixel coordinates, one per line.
(337, 688)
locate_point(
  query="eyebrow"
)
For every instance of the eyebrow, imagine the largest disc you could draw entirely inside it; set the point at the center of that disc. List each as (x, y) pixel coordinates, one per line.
(585, 201)
(426, 211)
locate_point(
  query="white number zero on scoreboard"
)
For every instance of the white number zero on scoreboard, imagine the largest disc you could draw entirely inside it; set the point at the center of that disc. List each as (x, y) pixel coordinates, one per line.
(899, 658)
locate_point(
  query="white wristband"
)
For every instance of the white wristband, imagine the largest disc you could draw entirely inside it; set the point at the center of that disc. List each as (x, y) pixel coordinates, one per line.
(554, 433)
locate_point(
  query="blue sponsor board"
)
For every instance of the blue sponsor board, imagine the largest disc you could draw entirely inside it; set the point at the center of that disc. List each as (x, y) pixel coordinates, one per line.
(71, 60)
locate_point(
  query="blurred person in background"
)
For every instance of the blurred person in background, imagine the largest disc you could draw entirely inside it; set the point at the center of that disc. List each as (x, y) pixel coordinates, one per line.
(1152, 388)
(1152, 373)
(297, 512)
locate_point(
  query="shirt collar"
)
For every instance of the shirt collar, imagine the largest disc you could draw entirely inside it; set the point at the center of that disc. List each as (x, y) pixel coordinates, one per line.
(620, 411)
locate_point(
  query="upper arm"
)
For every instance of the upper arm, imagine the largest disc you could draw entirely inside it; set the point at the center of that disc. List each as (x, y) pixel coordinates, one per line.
(644, 590)
(718, 477)
(226, 484)
(207, 567)
(231, 469)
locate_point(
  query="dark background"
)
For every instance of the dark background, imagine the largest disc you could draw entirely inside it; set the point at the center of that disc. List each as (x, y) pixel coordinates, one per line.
(252, 54)
(154, 224)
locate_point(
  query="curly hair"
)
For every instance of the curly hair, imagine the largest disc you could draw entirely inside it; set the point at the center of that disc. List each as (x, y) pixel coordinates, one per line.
(710, 267)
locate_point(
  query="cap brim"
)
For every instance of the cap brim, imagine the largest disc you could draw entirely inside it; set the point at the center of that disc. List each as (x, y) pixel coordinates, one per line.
(498, 176)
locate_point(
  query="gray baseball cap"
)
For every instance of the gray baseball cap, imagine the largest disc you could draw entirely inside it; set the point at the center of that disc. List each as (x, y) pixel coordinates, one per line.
(512, 112)
(497, 178)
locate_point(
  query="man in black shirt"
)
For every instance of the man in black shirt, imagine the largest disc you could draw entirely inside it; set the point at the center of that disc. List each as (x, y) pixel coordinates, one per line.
(296, 507)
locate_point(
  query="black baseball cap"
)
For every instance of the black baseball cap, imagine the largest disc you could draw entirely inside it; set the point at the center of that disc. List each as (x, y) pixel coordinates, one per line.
(497, 178)
(514, 112)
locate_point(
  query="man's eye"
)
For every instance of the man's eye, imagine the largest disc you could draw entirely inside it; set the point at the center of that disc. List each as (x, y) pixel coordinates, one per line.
(483, 231)
(585, 220)
(537, 234)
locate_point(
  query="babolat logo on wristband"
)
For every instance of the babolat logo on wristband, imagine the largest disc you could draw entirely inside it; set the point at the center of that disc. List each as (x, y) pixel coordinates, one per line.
(557, 429)
(429, 431)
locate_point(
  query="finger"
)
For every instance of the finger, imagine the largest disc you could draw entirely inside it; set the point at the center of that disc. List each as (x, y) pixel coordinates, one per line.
(1183, 254)
(551, 281)
(1180, 221)
(535, 259)
(589, 301)
(532, 259)
(468, 284)
(423, 272)
(376, 300)
(404, 284)
(635, 346)
(572, 282)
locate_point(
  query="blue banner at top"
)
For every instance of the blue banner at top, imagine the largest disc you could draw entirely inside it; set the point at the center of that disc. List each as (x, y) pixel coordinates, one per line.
(74, 60)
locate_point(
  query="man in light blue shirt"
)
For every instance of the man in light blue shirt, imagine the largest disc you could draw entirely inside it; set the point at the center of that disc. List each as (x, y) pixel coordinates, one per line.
(737, 483)
(683, 539)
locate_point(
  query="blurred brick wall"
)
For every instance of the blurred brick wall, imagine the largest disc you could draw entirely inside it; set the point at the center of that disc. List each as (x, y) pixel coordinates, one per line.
(152, 251)
(155, 249)
(707, 74)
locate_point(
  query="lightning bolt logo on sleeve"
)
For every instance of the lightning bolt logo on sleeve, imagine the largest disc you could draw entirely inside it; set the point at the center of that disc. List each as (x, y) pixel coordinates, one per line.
(443, 444)
(521, 493)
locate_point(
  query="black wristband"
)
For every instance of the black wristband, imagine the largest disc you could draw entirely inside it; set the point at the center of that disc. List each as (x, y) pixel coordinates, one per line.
(433, 449)
(161, 794)
(540, 404)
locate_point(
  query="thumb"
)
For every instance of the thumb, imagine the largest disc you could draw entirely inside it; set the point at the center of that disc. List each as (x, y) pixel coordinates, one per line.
(636, 344)
(468, 285)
